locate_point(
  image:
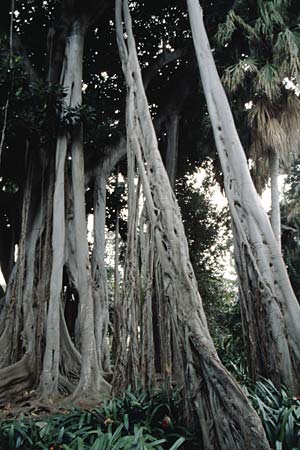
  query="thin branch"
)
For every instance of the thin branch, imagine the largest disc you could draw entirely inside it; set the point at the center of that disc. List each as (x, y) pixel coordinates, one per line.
(19, 49)
(162, 60)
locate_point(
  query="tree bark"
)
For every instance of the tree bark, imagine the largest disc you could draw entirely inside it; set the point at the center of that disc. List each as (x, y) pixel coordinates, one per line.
(172, 128)
(99, 275)
(275, 201)
(270, 311)
(50, 373)
(127, 359)
(225, 417)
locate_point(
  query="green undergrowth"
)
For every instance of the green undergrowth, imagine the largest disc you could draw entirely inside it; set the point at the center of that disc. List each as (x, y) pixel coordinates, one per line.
(134, 421)
(279, 412)
(145, 421)
(278, 409)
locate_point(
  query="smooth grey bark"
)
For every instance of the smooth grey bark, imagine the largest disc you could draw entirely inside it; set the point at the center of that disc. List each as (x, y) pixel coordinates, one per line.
(19, 337)
(275, 201)
(147, 358)
(50, 373)
(99, 275)
(113, 154)
(33, 315)
(91, 382)
(172, 128)
(270, 311)
(117, 296)
(224, 414)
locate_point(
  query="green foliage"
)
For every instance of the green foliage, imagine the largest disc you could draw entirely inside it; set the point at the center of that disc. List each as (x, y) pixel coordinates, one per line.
(279, 413)
(230, 346)
(33, 106)
(259, 49)
(133, 421)
(207, 232)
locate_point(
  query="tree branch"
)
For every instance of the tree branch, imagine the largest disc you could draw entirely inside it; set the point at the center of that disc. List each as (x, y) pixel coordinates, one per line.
(19, 49)
(158, 63)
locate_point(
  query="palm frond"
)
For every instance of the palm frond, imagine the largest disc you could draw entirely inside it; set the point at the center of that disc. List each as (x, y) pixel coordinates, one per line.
(232, 23)
(226, 30)
(287, 52)
(268, 81)
(271, 16)
(235, 75)
(290, 122)
(268, 132)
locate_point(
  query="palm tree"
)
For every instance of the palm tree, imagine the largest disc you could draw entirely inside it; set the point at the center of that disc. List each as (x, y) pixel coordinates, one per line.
(266, 62)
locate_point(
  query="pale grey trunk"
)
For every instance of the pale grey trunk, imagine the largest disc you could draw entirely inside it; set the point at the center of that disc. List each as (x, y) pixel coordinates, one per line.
(50, 373)
(147, 284)
(275, 198)
(127, 360)
(91, 382)
(21, 374)
(271, 313)
(172, 129)
(226, 419)
(11, 316)
(117, 297)
(99, 275)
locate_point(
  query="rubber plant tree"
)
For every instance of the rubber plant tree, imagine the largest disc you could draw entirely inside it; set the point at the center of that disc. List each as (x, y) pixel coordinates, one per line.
(226, 419)
(270, 311)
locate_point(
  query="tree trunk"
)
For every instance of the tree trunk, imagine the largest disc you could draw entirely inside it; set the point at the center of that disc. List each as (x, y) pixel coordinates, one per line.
(172, 128)
(50, 373)
(270, 311)
(224, 415)
(36, 349)
(117, 299)
(275, 201)
(127, 360)
(99, 275)
(147, 362)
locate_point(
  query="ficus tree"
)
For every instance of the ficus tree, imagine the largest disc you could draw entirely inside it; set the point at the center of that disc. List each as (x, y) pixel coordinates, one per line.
(208, 385)
(270, 310)
(54, 319)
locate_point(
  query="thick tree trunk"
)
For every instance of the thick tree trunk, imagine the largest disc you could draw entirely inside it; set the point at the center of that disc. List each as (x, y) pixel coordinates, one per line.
(275, 200)
(226, 419)
(35, 344)
(91, 382)
(271, 313)
(50, 373)
(49, 377)
(147, 363)
(99, 275)
(127, 359)
(117, 296)
(172, 128)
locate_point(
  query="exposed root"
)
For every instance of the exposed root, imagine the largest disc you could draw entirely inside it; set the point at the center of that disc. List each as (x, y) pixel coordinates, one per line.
(30, 408)
(16, 378)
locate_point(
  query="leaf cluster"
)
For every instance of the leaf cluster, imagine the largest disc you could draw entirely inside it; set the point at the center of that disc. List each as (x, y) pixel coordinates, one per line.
(135, 420)
(258, 46)
(279, 412)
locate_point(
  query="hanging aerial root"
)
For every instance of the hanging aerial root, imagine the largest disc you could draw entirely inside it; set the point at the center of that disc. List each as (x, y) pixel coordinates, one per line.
(209, 386)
